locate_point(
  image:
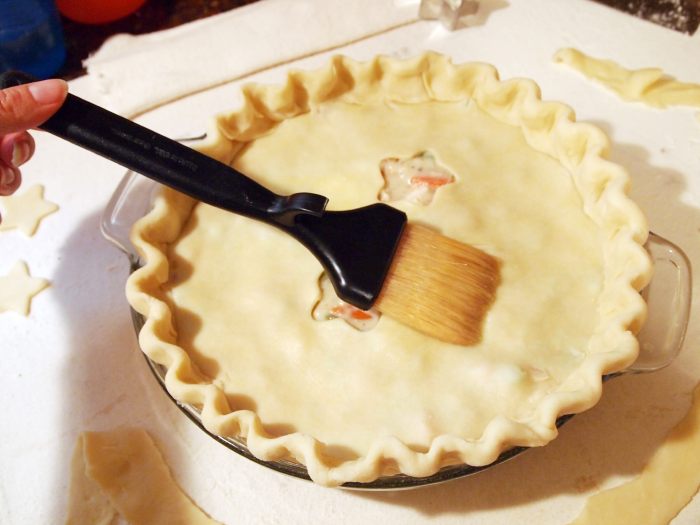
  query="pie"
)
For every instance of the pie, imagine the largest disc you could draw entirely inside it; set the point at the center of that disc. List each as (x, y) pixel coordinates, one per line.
(231, 305)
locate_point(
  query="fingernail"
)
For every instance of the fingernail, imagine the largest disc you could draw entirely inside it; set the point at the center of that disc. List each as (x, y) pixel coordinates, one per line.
(48, 91)
(7, 175)
(21, 151)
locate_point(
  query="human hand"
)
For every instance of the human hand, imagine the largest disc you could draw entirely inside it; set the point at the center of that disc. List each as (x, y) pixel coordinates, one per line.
(22, 108)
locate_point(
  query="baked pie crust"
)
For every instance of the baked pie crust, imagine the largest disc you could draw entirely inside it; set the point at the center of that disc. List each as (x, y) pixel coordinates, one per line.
(227, 301)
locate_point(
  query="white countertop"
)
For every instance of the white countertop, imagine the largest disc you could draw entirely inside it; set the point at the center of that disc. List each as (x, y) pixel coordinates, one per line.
(74, 363)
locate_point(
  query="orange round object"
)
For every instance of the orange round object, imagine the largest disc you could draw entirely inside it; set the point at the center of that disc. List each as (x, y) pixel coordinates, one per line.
(97, 11)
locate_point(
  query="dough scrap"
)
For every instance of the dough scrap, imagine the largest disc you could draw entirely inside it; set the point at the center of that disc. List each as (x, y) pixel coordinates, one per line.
(17, 289)
(651, 498)
(121, 472)
(25, 211)
(648, 85)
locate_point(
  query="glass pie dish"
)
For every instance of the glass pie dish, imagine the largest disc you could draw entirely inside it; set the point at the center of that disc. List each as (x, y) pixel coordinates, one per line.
(661, 339)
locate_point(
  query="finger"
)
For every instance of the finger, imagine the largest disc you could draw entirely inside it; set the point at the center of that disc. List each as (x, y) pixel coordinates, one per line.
(10, 179)
(25, 107)
(16, 148)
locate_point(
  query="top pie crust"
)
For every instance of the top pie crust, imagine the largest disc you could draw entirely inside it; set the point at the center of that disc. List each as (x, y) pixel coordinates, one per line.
(227, 300)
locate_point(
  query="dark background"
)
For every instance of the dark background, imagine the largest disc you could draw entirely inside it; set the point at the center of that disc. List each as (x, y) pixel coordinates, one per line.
(154, 15)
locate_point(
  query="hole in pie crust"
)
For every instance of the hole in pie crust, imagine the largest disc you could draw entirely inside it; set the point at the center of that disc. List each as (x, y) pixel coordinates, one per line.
(329, 306)
(414, 180)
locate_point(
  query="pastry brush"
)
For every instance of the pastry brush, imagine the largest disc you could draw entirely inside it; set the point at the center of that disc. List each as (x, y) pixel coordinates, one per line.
(372, 255)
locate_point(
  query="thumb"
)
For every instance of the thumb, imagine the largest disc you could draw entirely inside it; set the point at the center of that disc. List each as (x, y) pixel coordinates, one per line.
(25, 107)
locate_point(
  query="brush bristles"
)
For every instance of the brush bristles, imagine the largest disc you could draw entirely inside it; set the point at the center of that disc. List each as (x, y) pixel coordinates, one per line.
(439, 286)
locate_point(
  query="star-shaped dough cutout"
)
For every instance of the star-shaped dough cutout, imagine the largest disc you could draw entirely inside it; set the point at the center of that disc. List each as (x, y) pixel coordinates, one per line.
(17, 289)
(25, 211)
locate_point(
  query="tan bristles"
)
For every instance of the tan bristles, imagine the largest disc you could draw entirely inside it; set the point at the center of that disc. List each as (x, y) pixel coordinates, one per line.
(439, 286)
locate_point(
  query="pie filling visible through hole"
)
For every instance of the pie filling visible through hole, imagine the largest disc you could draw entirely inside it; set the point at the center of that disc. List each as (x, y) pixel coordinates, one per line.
(413, 180)
(226, 299)
(329, 306)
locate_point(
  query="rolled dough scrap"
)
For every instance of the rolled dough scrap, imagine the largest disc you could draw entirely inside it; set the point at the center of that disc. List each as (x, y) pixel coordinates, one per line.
(121, 472)
(666, 485)
(25, 211)
(87, 503)
(17, 289)
(648, 85)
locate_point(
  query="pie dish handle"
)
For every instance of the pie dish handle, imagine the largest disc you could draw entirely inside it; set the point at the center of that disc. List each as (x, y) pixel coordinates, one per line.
(668, 297)
(131, 200)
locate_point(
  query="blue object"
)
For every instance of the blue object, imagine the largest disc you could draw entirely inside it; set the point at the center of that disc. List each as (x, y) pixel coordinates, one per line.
(31, 37)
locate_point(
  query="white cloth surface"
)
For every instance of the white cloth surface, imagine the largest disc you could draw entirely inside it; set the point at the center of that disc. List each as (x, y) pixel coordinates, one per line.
(135, 73)
(74, 363)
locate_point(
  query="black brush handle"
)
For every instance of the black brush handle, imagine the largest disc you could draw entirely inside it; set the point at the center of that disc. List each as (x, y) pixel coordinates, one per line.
(355, 247)
(169, 162)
